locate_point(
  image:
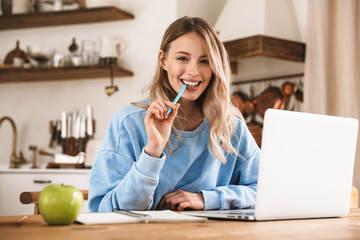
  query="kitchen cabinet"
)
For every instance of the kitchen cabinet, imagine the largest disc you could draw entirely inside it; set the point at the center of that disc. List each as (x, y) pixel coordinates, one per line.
(46, 19)
(15, 181)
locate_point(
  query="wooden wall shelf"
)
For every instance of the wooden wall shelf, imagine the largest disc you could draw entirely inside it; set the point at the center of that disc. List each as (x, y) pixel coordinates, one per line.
(46, 19)
(260, 45)
(11, 75)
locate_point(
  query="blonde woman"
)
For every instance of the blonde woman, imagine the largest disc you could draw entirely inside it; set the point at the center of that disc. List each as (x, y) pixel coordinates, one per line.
(200, 156)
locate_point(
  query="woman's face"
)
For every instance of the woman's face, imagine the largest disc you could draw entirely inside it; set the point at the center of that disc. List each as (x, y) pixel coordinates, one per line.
(186, 63)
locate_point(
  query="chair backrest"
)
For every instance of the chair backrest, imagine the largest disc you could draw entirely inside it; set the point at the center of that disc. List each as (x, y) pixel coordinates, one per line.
(33, 198)
(354, 201)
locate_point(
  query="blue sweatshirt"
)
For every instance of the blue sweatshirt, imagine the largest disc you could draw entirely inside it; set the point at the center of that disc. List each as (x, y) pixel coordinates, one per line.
(123, 176)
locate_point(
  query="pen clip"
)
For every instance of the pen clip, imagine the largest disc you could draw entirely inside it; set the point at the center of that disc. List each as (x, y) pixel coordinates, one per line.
(131, 213)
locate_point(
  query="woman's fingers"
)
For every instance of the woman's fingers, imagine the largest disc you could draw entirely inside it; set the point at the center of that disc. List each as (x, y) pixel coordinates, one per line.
(181, 200)
(173, 113)
(165, 198)
(159, 108)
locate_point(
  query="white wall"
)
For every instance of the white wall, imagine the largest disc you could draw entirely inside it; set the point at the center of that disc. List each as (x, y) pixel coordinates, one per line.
(32, 105)
(278, 18)
(206, 9)
(241, 18)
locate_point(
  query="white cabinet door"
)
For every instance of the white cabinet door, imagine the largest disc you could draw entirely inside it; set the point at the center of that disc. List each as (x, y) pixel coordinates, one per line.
(13, 184)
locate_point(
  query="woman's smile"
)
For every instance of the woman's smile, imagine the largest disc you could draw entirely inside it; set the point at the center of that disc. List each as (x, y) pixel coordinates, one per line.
(191, 84)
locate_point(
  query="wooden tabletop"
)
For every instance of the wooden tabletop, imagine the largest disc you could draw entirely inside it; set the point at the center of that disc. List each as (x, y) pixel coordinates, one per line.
(34, 227)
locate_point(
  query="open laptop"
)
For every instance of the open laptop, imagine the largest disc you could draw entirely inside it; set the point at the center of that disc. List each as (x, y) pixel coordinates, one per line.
(306, 168)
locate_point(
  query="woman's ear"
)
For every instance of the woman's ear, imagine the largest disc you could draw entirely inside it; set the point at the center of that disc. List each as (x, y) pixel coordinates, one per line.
(162, 60)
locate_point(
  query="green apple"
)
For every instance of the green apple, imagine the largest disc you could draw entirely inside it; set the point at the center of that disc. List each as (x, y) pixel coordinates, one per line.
(60, 204)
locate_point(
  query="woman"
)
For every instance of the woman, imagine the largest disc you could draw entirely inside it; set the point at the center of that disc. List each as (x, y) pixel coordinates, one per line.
(200, 156)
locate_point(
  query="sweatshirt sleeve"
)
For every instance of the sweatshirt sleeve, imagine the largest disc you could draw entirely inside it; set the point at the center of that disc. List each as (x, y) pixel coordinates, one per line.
(240, 192)
(123, 175)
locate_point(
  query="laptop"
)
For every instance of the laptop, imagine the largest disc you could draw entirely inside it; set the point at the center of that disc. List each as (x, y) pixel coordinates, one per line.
(305, 171)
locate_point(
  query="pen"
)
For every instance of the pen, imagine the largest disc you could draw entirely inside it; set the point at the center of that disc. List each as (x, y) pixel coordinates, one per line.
(177, 98)
(20, 220)
(132, 214)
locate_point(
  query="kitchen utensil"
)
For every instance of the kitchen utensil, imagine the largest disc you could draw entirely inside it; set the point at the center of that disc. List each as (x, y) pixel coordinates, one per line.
(22, 6)
(73, 46)
(271, 97)
(63, 158)
(53, 134)
(91, 150)
(88, 53)
(110, 90)
(42, 55)
(103, 3)
(74, 57)
(15, 54)
(111, 47)
(58, 60)
(107, 61)
(242, 102)
(6, 7)
(59, 5)
(34, 149)
(89, 122)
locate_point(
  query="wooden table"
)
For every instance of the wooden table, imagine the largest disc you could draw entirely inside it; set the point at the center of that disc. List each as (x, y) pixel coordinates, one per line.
(331, 228)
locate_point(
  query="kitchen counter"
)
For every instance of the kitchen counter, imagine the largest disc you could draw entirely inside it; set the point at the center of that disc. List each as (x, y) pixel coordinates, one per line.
(26, 168)
(14, 181)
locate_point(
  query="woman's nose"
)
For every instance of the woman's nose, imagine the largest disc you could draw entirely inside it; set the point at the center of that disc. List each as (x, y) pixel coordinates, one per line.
(193, 69)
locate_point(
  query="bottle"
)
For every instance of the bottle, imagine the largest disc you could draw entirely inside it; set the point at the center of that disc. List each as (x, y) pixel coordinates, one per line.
(6, 7)
(74, 57)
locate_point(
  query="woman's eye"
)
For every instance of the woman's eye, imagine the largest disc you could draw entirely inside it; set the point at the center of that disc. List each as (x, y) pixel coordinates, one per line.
(182, 58)
(204, 61)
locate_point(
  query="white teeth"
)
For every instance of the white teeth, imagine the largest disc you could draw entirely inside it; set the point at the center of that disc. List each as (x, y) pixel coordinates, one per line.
(192, 84)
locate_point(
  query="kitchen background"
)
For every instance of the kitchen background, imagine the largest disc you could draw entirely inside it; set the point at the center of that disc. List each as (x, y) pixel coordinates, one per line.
(32, 105)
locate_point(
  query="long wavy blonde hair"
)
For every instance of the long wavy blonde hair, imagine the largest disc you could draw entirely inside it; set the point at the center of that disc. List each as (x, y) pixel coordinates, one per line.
(215, 101)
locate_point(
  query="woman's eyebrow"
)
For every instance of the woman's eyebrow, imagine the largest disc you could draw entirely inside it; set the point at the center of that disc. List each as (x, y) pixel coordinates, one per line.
(182, 52)
(186, 53)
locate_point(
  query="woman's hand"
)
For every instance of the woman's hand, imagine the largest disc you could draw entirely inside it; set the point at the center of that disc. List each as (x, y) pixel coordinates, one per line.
(181, 200)
(158, 126)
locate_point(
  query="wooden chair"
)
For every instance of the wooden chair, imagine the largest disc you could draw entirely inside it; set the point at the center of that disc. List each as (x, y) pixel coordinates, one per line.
(354, 201)
(33, 198)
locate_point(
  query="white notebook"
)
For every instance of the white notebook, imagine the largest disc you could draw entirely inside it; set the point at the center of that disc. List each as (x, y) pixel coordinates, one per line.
(121, 216)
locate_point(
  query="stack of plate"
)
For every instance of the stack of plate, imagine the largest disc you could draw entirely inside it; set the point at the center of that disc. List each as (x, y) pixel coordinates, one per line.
(102, 3)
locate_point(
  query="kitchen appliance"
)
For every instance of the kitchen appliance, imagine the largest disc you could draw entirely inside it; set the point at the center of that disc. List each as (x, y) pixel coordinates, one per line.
(111, 47)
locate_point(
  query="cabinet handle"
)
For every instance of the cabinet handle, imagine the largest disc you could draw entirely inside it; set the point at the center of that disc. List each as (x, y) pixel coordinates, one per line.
(42, 181)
